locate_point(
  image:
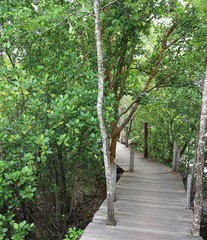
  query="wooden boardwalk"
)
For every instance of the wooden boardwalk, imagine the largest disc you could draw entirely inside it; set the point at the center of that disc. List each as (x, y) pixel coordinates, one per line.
(150, 204)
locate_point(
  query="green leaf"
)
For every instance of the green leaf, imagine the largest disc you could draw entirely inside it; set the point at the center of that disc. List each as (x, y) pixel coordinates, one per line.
(25, 169)
(16, 226)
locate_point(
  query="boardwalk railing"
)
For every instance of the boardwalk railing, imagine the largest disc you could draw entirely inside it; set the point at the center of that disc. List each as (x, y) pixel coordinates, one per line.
(189, 182)
(131, 162)
(175, 168)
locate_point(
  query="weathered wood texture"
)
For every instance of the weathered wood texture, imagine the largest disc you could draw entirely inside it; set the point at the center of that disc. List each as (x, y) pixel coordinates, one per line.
(131, 163)
(151, 204)
(145, 140)
(189, 183)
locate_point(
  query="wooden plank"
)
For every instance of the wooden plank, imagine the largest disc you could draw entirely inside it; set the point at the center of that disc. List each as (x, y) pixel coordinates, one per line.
(151, 204)
(124, 232)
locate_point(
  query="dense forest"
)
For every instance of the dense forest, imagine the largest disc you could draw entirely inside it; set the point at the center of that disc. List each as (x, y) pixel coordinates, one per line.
(51, 162)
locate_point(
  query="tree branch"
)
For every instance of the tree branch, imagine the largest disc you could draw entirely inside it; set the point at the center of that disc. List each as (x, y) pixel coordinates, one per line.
(130, 115)
(121, 63)
(125, 72)
(139, 69)
(69, 15)
(154, 69)
(164, 47)
(158, 85)
(128, 108)
(109, 4)
(170, 44)
(10, 59)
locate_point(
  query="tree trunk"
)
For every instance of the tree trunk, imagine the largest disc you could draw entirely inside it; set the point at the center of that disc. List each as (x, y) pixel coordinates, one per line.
(200, 163)
(115, 133)
(122, 120)
(195, 159)
(184, 148)
(115, 130)
(130, 123)
(110, 204)
(196, 146)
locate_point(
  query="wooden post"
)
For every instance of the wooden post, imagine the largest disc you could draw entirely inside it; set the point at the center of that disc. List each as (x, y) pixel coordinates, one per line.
(131, 164)
(127, 136)
(113, 173)
(145, 139)
(176, 159)
(189, 182)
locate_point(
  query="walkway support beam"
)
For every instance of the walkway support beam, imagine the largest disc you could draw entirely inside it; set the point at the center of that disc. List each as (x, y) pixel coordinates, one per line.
(145, 139)
(189, 182)
(131, 163)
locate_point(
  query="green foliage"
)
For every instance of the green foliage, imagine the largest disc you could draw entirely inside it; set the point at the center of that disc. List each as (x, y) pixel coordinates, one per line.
(46, 136)
(172, 115)
(21, 230)
(73, 234)
(17, 231)
(49, 129)
(50, 149)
